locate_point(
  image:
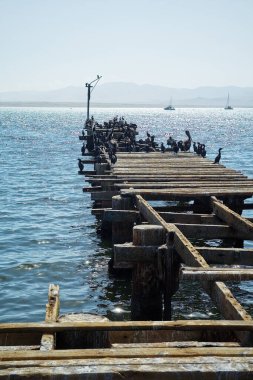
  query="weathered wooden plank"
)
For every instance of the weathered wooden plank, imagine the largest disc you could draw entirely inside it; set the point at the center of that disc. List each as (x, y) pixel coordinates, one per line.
(234, 220)
(137, 369)
(178, 185)
(177, 217)
(103, 195)
(229, 256)
(235, 256)
(176, 344)
(179, 325)
(108, 180)
(128, 252)
(121, 216)
(188, 194)
(52, 313)
(216, 274)
(127, 353)
(209, 231)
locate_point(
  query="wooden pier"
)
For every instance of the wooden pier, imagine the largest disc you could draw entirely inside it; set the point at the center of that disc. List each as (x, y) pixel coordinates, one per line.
(157, 208)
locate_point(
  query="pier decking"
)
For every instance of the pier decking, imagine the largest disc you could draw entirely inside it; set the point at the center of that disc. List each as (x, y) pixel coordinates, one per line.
(158, 208)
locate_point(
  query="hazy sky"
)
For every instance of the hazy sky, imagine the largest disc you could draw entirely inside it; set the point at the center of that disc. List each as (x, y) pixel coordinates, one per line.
(48, 44)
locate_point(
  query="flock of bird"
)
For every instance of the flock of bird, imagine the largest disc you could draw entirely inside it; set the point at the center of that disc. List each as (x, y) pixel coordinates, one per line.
(184, 146)
(109, 143)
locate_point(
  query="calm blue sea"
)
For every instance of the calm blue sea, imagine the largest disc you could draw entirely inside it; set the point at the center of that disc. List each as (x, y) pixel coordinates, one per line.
(47, 232)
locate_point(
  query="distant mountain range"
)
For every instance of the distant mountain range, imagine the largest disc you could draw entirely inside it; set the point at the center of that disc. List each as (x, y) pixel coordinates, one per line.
(139, 95)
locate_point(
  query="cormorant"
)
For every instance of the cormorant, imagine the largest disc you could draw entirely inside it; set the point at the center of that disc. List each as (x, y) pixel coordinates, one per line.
(203, 150)
(162, 148)
(195, 147)
(218, 157)
(83, 149)
(113, 159)
(148, 134)
(180, 146)
(80, 164)
(175, 147)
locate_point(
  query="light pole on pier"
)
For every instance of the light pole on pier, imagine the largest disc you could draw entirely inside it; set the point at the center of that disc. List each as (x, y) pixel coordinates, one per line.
(89, 86)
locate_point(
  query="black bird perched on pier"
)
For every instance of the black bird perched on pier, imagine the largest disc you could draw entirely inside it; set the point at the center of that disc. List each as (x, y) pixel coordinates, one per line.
(203, 150)
(113, 158)
(83, 149)
(162, 148)
(195, 147)
(80, 164)
(148, 134)
(218, 157)
(175, 147)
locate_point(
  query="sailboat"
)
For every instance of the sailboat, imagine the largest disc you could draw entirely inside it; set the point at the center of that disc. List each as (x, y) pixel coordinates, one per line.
(170, 106)
(228, 107)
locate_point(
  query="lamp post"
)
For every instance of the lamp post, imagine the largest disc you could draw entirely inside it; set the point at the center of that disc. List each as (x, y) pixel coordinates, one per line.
(89, 86)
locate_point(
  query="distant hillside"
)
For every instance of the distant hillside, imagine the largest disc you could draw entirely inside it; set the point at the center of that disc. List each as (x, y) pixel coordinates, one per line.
(139, 95)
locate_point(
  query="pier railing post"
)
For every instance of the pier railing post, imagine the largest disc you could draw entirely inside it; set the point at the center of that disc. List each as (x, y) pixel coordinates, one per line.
(147, 300)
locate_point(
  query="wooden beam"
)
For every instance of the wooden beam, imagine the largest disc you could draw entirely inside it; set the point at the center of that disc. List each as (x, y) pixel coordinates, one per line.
(103, 195)
(121, 216)
(128, 353)
(228, 256)
(177, 194)
(179, 325)
(208, 231)
(216, 274)
(133, 368)
(234, 220)
(128, 252)
(180, 217)
(52, 313)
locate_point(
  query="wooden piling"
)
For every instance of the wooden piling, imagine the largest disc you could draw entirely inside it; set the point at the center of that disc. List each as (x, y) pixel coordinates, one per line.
(146, 301)
(122, 231)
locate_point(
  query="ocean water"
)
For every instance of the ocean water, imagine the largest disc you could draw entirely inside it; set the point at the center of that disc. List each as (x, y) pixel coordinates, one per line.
(47, 232)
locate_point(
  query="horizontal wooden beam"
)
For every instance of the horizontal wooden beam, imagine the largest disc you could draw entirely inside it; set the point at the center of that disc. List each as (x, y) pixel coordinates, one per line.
(178, 194)
(228, 256)
(128, 353)
(103, 195)
(216, 274)
(179, 325)
(208, 231)
(178, 184)
(121, 216)
(128, 252)
(180, 217)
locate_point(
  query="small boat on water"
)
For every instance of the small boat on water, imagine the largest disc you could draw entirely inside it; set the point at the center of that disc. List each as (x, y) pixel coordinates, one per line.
(228, 107)
(170, 106)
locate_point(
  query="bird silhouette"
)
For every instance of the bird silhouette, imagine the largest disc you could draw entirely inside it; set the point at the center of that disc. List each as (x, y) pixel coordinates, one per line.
(148, 134)
(187, 143)
(218, 157)
(175, 147)
(203, 150)
(162, 148)
(113, 158)
(80, 164)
